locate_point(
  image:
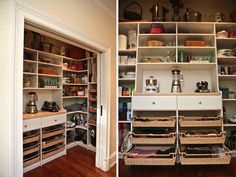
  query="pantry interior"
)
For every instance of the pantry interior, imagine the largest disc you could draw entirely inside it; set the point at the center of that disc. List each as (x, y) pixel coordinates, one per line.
(176, 83)
(61, 94)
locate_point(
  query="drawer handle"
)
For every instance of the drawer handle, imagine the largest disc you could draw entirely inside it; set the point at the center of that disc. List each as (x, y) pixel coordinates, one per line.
(200, 102)
(55, 120)
(153, 103)
(26, 126)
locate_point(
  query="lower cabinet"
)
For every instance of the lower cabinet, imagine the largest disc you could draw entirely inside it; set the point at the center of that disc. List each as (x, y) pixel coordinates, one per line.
(192, 132)
(43, 140)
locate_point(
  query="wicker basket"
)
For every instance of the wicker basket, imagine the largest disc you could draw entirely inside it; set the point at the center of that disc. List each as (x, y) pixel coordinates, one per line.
(199, 159)
(199, 122)
(152, 138)
(202, 139)
(154, 121)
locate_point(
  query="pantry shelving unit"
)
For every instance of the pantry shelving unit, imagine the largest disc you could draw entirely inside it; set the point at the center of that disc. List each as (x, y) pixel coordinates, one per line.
(66, 81)
(227, 80)
(201, 64)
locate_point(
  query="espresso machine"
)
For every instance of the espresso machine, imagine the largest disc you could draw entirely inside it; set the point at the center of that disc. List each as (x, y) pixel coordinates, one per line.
(177, 77)
(151, 85)
(31, 105)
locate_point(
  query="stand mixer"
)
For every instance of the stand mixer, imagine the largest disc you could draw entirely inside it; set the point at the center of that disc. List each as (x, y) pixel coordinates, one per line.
(176, 82)
(31, 105)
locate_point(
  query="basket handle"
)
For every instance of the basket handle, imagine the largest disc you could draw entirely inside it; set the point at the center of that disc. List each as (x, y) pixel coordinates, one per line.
(134, 3)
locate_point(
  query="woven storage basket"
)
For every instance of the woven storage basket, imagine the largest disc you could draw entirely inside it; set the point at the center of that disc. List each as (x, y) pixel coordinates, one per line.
(196, 159)
(169, 159)
(198, 122)
(153, 138)
(202, 139)
(154, 121)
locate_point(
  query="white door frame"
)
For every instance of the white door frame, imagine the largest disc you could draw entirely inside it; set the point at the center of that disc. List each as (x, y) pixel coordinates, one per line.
(24, 12)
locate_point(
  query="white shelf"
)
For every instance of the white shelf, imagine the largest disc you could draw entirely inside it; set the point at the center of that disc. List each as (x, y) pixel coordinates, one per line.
(77, 60)
(68, 97)
(35, 88)
(168, 66)
(229, 125)
(157, 47)
(127, 65)
(75, 84)
(229, 100)
(30, 61)
(75, 71)
(74, 112)
(159, 34)
(77, 126)
(195, 34)
(49, 64)
(27, 73)
(125, 96)
(195, 47)
(124, 121)
(49, 75)
(126, 79)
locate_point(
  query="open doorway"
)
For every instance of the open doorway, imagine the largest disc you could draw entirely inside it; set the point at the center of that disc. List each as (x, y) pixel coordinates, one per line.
(31, 65)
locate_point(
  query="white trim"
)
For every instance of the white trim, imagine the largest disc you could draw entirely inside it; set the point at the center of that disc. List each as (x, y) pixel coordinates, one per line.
(26, 12)
(112, 159)
(101, 5)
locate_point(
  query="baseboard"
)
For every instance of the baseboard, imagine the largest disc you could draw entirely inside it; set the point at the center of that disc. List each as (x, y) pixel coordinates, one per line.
(112, 159)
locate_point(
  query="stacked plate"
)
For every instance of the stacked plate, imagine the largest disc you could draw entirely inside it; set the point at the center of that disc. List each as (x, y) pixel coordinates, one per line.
(222, 34)
(226, 52)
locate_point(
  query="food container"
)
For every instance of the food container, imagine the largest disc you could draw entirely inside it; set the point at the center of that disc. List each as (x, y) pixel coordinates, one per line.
(154, 43)
(231, 95)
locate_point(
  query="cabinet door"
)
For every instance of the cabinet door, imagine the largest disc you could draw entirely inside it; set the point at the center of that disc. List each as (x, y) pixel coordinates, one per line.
(53, 120)
(199, 103)
(31, 124)
(154, 103)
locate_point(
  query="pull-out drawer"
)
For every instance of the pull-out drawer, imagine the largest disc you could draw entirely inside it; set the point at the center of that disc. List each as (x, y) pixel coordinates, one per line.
(53, 120)
(199, 102)
(31, 124)
(154, 103)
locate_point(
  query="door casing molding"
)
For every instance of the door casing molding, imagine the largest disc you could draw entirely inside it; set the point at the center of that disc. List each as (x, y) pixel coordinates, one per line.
(24, 12)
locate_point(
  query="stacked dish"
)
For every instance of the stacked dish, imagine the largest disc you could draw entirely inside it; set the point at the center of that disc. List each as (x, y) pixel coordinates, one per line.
(226, 52)
(222, 34)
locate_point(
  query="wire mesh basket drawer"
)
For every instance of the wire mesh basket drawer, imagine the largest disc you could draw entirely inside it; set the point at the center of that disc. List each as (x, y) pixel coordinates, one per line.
(150, 158)
(154, 121)
(152, 138)
(202, 139)
(200, 121)
(223, 157)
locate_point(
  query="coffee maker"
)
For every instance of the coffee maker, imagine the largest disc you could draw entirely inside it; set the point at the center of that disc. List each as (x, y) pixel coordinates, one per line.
(31, 105)
(176, 82)
(151, 85)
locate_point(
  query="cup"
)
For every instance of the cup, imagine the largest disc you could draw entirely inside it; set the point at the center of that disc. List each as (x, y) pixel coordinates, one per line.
(182, 56)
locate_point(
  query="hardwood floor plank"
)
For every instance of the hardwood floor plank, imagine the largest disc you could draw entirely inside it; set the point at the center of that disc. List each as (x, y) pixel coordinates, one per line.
(79, 162)
(178, 170)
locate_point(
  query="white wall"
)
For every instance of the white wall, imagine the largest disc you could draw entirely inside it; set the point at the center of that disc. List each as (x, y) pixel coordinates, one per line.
(80, 15)
(6, 50)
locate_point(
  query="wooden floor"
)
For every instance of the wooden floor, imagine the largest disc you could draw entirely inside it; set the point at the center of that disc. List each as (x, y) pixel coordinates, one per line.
(79, 162)
(178, 171)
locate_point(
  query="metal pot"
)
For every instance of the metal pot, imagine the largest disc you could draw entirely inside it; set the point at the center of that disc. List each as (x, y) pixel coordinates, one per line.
(158, 13)
(192, 16)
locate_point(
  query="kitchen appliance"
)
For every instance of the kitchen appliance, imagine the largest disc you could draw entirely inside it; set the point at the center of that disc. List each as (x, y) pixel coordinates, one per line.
(158, 13)
(176, 83)
(31, 105)
(50, 106)
(133, 15)
(151, 85)
(202, 87)
(192, 15)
